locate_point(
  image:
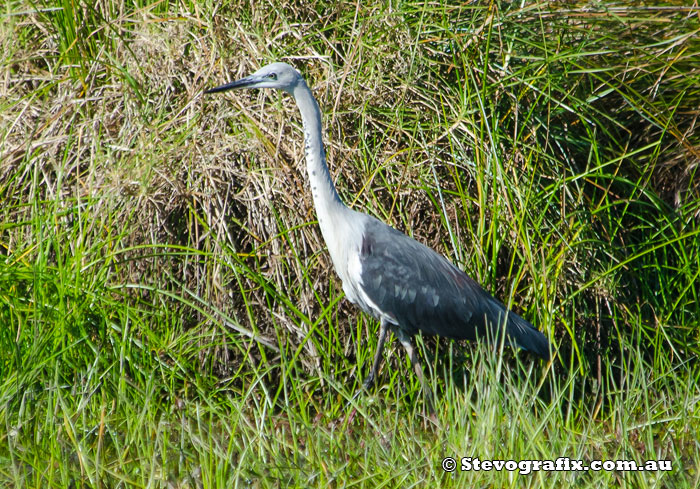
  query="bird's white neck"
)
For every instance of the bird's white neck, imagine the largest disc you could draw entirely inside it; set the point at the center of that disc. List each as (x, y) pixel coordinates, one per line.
(328, 205)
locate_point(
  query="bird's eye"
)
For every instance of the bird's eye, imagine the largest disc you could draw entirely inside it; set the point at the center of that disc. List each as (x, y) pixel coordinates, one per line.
(272, 76)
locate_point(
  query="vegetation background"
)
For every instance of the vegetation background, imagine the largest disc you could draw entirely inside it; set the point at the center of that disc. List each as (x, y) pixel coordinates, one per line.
(168, 313)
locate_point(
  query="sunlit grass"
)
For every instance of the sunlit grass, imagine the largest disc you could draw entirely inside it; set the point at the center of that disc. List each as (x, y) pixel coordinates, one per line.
(169, 316)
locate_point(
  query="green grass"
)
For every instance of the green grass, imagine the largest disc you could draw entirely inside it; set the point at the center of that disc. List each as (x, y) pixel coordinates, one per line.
(169, 316)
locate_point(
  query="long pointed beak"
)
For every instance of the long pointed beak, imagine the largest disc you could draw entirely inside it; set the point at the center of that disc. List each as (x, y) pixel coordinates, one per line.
(242, 83)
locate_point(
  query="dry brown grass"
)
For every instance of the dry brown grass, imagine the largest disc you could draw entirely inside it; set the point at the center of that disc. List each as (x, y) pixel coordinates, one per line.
(133, 134)
(147, 232)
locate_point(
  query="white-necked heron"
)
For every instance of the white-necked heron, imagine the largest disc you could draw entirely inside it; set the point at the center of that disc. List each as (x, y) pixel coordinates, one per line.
(406, 285)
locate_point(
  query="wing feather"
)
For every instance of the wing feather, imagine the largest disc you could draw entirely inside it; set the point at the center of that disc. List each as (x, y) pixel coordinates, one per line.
(423, 291)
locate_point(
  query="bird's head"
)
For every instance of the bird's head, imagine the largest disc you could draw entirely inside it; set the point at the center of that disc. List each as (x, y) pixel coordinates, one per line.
(275, 75)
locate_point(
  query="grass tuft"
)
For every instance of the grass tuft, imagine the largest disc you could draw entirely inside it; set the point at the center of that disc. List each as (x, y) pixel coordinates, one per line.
(170, 317)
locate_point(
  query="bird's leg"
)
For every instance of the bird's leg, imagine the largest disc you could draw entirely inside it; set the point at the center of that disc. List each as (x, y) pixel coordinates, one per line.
(405, 340)
(383, 328)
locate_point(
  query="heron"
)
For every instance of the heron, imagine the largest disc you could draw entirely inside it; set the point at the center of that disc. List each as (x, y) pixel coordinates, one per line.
(406, 285)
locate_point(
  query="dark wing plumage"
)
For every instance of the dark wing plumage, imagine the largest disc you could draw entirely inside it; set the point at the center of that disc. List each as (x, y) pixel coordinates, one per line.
(421, 290)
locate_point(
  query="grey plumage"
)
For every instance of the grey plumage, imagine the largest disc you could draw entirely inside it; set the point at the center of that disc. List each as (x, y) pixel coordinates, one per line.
(423, 291)
(405, 284)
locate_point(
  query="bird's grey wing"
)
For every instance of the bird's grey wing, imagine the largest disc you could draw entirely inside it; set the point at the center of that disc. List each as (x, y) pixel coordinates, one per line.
(419, 288)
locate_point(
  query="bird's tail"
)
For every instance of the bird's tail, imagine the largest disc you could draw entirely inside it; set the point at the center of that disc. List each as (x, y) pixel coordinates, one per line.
(527, 337)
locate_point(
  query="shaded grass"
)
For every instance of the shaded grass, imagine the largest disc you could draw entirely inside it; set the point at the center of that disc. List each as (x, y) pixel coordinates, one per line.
(170, 315)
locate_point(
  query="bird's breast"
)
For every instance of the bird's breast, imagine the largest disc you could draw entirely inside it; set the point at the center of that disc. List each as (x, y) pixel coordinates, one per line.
(354, 288)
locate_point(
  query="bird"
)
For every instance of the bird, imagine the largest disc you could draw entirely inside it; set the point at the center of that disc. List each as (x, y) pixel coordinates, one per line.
(406, 285)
